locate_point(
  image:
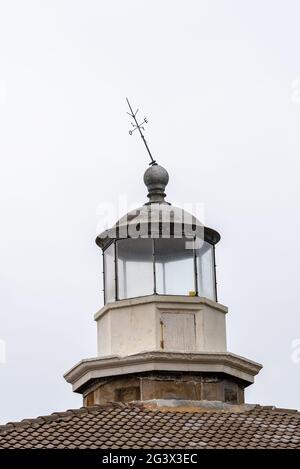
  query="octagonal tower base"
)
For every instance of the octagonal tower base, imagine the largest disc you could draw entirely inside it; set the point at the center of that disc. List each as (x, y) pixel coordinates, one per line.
(162, 347)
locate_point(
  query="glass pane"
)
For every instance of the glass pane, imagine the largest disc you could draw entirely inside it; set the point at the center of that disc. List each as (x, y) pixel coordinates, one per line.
(109, 272)
(174, 264)
(206, 271)
(135, 268)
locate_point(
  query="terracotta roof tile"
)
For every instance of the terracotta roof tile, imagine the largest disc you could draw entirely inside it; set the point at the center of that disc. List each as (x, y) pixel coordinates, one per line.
(136, 425)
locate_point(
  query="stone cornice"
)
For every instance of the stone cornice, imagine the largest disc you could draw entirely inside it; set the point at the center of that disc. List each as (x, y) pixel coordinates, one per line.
(227, 363)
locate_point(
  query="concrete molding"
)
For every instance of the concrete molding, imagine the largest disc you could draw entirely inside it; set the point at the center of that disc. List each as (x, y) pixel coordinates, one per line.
(162, 299)
(93, 368)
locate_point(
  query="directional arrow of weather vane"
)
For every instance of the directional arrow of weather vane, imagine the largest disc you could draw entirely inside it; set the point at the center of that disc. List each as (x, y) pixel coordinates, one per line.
(139, 127)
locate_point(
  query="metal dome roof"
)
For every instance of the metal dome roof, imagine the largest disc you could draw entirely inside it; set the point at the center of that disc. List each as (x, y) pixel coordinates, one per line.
(157, 220)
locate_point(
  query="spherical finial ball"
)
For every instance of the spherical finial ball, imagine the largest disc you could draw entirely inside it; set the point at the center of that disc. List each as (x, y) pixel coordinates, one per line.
(156, 178)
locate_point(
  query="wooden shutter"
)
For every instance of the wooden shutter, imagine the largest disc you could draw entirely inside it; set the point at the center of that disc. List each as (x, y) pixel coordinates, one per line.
(178, 332)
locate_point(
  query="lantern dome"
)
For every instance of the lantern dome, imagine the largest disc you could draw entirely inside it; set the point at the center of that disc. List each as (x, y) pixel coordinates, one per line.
(158, 249)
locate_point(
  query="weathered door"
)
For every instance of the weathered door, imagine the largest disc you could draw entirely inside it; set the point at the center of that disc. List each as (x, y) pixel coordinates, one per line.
(178, 332)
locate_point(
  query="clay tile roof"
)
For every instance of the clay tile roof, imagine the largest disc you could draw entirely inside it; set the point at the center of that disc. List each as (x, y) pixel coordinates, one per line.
(138, 425)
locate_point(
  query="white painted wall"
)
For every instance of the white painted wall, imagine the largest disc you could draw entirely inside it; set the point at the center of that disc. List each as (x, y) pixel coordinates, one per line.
(210, 330)
(133, 326)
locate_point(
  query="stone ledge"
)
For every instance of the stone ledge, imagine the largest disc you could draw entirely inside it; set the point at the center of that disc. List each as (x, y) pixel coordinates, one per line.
(161, 299)
(181, 405)
(90, 369)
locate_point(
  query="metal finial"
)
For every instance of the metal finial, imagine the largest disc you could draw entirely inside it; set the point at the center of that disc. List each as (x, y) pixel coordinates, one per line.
(156, 178)
(140, 128)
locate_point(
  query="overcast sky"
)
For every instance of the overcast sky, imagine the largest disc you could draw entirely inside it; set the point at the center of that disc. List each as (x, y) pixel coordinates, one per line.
(218, 82)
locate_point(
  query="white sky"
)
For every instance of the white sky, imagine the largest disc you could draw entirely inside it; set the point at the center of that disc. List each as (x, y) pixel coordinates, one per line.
(215, 79)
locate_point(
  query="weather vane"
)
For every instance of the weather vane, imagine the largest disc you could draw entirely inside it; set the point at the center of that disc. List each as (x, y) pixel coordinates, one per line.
(140, 127)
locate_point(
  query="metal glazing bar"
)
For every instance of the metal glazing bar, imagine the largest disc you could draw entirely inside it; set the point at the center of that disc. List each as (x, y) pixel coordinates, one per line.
(103, 276)
(154, 267)
(215, 273)
(195, 267)
(116, 271)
